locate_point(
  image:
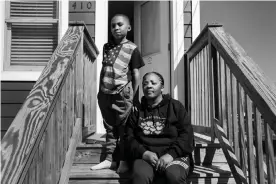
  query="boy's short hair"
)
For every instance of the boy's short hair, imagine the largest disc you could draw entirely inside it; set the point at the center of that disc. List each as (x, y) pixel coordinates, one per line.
(122, 15)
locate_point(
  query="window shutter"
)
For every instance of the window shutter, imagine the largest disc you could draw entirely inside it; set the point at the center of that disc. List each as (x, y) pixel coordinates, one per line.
(36, 9)
(34, 33)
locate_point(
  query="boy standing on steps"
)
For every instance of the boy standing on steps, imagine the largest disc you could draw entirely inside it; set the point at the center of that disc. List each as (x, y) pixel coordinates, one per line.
(119, 80)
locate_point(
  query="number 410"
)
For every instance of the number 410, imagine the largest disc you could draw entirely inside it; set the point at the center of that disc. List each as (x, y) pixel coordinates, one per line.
(82, 5)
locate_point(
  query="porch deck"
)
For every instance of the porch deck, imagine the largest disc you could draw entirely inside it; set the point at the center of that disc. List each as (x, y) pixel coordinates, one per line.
(211, 168)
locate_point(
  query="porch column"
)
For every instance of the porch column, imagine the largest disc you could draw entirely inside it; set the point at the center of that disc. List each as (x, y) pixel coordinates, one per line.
(178, 44)
(101, 37)
(63, 17)
(2, 33)
(195, 18)
(177, 49)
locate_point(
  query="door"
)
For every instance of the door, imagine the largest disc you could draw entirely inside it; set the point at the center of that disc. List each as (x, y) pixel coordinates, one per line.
(151, 34)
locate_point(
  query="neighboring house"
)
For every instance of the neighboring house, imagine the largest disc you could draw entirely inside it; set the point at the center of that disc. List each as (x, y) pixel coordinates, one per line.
(30, 31)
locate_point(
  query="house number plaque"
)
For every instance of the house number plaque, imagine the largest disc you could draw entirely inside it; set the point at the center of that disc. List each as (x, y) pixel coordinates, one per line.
(81, 6)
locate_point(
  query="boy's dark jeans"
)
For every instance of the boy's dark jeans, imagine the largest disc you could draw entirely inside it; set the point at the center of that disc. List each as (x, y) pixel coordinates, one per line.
(115, 109)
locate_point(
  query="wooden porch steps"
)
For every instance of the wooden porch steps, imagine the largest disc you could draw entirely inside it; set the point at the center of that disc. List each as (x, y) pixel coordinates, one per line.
(211, 166)
(81, 174)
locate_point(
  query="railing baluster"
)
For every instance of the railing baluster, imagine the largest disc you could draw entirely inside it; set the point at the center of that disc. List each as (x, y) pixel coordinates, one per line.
(235, 117)
(63, 118)
(206, 96)
(250, 143)
(48, 155)
(68, 110)
(192, 73)
(202, 105)
(32, 172)
(243, 150)
(37, 167)
(223, 94)
(79, 66)
(56, 141)
(207, 85)
(45, 159)
(229, 94)
(211, 60)
(64, 109)
(40, 158)
(259, 145)
(26, 179)
(53, 146)
(72, 105)
(200, 109)
(58, 122)
(196, 89)
(205, 107)
(199, 90)
(269, 154)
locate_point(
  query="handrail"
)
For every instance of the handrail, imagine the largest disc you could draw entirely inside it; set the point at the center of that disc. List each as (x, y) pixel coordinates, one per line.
(252, 78)
(232, 97)
(35, 145)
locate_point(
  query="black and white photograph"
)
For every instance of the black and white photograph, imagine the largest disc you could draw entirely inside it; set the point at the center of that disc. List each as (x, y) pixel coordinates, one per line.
(138, 92)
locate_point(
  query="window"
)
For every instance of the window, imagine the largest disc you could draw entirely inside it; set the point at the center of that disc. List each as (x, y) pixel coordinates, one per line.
(187, 24)
(31, 34)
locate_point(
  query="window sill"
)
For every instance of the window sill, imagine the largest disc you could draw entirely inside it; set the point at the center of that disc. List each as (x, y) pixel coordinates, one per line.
(20, 75)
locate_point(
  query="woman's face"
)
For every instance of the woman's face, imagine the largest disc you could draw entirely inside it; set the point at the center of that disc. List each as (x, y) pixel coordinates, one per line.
(152, 86)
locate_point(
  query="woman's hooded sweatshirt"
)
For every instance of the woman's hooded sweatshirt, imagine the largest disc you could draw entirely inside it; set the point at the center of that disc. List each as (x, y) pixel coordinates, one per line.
(166, 128)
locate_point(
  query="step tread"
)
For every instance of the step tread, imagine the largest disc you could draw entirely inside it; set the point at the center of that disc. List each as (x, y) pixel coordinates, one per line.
(83, 171)
(100, 145)
(93, 156)
(200, 140)
(127, 181)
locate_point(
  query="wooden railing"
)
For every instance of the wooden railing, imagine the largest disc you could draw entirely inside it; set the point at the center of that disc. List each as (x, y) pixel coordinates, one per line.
(40, 143)
(232, 100)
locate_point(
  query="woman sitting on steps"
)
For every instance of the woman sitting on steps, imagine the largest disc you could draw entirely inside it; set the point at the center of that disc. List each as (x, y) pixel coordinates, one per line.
(159, 136)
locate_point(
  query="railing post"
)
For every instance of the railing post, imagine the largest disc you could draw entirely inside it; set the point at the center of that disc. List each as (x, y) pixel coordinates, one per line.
(269, 154)
(187, 84)
(211, 87)
(79, 80)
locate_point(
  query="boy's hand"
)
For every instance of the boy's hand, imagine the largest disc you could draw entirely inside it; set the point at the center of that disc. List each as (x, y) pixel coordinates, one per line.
(150, 157)
(134, 108)
(163, 162)
(136, 105)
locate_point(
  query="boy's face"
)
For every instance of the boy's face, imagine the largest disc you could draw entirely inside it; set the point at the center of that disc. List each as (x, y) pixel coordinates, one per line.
(119, 27)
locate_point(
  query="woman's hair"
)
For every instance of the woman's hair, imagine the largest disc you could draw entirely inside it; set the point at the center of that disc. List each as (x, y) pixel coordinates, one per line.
(157, 74)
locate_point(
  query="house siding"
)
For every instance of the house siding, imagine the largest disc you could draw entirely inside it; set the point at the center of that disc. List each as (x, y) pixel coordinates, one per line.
(13, 95)
(83, 11)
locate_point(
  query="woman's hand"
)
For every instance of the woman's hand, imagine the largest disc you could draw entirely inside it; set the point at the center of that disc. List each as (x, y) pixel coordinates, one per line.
(163, 162)
(150, 157)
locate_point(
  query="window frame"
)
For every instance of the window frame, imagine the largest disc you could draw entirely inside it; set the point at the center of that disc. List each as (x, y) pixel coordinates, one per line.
(8, 37)
(188, 25)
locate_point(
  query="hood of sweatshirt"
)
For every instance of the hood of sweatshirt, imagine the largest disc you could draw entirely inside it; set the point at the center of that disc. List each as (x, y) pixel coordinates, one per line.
(153, 120)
